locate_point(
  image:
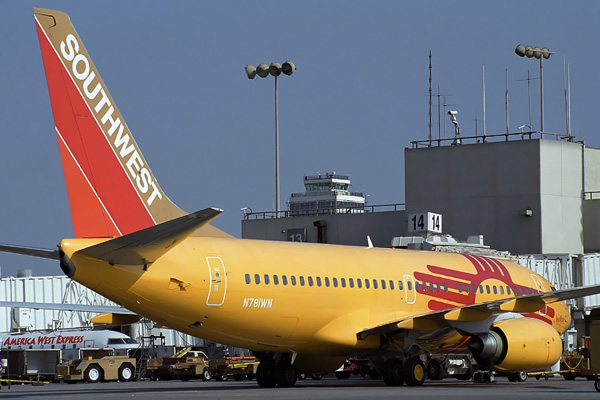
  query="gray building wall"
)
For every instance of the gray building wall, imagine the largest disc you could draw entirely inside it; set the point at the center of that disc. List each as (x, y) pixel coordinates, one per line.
(591, 203)
(347, 229)
(486, 188)
(561, 188)
(591, 226)
(592, 171)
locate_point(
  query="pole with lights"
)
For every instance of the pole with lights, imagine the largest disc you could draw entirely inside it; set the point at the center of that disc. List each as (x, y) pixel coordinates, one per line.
(540, 54)
(275, 69)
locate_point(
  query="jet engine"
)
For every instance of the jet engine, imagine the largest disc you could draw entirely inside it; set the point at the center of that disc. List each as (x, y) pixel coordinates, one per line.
(518, 344)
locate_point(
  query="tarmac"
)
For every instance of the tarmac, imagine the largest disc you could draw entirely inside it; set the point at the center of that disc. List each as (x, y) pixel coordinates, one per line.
(328, 388)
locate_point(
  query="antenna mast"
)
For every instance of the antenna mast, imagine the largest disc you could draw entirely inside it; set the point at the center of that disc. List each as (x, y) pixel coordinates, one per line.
(429, 97)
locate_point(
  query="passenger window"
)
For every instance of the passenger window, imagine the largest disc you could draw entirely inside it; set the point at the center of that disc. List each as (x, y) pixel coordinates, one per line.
(446, 287)
(459, 288)
(400, 285)
(495, 290)
(391, 284)
(247, 279)
(335, 282)
(466, 288)
(424, 286)
(343, 280)
(374, 283)
(417, 286)
(487, 289)
(431, 286)
(501, 289)
(359, 283)
(409, 285)
(438, 287)
(301, 280)
(318, 281)
(351, 282)
(515, 291)
(293, 279)
(275, 280)
(481, 289)
(310, 281)
(383, 284)
(327, 281)
(266, 279)
(284, 279)
(521, 290)
(257, 279)
(367, 284)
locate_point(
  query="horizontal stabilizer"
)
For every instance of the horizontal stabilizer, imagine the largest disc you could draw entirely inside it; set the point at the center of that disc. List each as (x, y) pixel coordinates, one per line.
(30, 251)
(147, 245)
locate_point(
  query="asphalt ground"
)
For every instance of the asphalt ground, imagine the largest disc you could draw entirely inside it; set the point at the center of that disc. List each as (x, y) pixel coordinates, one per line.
(328, 388)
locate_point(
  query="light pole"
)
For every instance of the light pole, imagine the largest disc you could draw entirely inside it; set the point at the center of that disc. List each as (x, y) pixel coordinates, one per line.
(275, 69)
(529, 52)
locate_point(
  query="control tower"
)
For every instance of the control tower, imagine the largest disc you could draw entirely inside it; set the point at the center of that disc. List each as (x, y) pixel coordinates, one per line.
(326, 194)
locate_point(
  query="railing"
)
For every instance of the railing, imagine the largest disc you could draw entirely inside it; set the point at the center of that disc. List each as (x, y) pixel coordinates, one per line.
(326, 176)
(336, 192)
(491, 138)
(324, 211)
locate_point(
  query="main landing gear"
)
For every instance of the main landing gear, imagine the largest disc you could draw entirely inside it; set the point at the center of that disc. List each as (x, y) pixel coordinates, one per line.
(412, 371)
(271, 373)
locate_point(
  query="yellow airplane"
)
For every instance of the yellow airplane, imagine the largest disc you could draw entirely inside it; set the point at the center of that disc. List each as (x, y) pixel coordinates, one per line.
(302, 308)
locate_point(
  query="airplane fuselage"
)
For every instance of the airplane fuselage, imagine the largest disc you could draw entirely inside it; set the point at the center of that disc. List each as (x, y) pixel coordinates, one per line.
(300, 297)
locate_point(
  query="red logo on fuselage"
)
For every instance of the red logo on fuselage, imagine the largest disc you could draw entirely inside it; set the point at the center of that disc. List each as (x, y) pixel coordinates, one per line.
(471, 283)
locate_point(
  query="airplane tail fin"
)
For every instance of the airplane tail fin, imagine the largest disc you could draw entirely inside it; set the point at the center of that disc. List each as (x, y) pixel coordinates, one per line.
(112, 191)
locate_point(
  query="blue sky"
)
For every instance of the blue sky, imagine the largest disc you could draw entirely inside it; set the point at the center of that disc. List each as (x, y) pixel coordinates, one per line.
(359, 96)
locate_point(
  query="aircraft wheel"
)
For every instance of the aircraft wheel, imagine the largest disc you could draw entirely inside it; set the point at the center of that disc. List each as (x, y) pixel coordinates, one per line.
(569, 377)
(239, 377)
(434, 370)
(126, 372)
(93, 373)
(265, 375)
(316, 377)
(414, 372)
(285, 375)
(393, 374)
(597, 385)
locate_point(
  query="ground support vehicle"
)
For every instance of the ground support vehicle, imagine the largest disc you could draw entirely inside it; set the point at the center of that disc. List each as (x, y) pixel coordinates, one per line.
(109, 368)
(576, 363)
(184, 368)
(28, 365)
(241, 368)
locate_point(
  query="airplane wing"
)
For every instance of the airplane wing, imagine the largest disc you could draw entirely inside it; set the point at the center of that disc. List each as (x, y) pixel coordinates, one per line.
(145, 246)
(476, 318)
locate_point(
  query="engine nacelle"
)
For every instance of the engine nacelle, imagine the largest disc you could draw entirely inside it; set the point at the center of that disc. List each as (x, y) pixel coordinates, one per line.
(518, 344)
